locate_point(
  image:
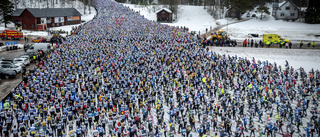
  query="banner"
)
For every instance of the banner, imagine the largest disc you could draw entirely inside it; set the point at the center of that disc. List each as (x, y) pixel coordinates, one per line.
(75, 17)
(117, 20)
(121, 20)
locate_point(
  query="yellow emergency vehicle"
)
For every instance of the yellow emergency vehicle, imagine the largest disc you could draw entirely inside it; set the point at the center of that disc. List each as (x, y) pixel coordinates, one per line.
(274, 38)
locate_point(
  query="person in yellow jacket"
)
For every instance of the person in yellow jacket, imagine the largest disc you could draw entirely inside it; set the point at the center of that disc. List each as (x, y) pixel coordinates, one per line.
(72, 133)
(17, 97)
(6, 105)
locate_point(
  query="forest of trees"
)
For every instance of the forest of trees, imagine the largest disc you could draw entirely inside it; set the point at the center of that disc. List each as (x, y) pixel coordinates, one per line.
(216, 8)
(82, 5)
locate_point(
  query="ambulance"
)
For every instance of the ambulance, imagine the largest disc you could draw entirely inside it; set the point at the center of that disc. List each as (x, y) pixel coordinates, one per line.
(274, 38)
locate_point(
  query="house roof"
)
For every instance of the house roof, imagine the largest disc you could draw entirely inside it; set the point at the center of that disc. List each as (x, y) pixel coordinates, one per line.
(17, 12)
(52, 12)
(167, 10)
(283, 3)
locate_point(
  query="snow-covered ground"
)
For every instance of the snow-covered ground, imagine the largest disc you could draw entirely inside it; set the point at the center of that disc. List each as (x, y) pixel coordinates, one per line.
(306, 58)
(196, 18)
(290, 30)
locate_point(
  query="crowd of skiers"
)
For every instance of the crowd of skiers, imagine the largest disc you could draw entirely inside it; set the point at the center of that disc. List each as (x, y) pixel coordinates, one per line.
(139, 78)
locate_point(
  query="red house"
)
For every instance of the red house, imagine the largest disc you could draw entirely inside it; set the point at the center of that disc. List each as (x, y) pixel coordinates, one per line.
(40, 19)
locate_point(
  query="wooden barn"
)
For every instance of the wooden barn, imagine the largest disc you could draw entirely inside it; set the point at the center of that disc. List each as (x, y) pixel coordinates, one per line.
(164, 15)
(40, 19)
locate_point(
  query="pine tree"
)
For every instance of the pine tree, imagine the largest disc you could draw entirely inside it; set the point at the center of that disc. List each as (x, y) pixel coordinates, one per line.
(240, 6)
(6, 9)
(313, 12)
(263, 9)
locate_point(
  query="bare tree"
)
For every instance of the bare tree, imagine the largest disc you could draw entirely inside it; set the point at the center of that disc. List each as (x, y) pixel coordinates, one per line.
(89, 4)
(16, 4)
(24, 3)
(84, 6)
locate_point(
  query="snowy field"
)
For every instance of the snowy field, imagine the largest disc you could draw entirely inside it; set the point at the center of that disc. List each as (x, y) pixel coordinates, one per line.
(306, 58)
(194, 17)
(197, 19)
(291, 30)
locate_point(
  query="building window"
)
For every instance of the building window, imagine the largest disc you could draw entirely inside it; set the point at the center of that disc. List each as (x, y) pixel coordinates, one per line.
(288, 8)
(28, 18)
(282, 14)
(292, 14)
(52, 24)
(32, 25)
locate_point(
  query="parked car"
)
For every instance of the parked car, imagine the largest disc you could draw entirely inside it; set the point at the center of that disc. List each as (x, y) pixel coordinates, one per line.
(26, 57)
(39, 39)
(2, 46)
(27, 46)
(10, 61)
(7, 74)
(248, 15)
(9, 67)
(24, 61)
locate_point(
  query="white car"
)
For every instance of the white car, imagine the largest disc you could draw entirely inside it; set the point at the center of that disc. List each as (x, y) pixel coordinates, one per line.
(14, 68)
(26, 57)
(21, 60)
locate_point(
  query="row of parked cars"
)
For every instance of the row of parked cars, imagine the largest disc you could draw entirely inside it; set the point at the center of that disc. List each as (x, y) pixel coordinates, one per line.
(9, 68)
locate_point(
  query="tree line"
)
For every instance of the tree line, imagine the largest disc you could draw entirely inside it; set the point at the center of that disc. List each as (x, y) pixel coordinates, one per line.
(235, 8)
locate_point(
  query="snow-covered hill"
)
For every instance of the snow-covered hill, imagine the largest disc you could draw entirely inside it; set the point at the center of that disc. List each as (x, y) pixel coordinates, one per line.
(196, 18)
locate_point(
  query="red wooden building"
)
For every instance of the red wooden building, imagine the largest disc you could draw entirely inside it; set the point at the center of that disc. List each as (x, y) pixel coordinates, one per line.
(40, 19)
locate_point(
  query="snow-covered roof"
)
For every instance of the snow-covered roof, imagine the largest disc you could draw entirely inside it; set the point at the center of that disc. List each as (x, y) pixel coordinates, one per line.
(167, 10)
(304, 9)
(17, 12)
(284, 2)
